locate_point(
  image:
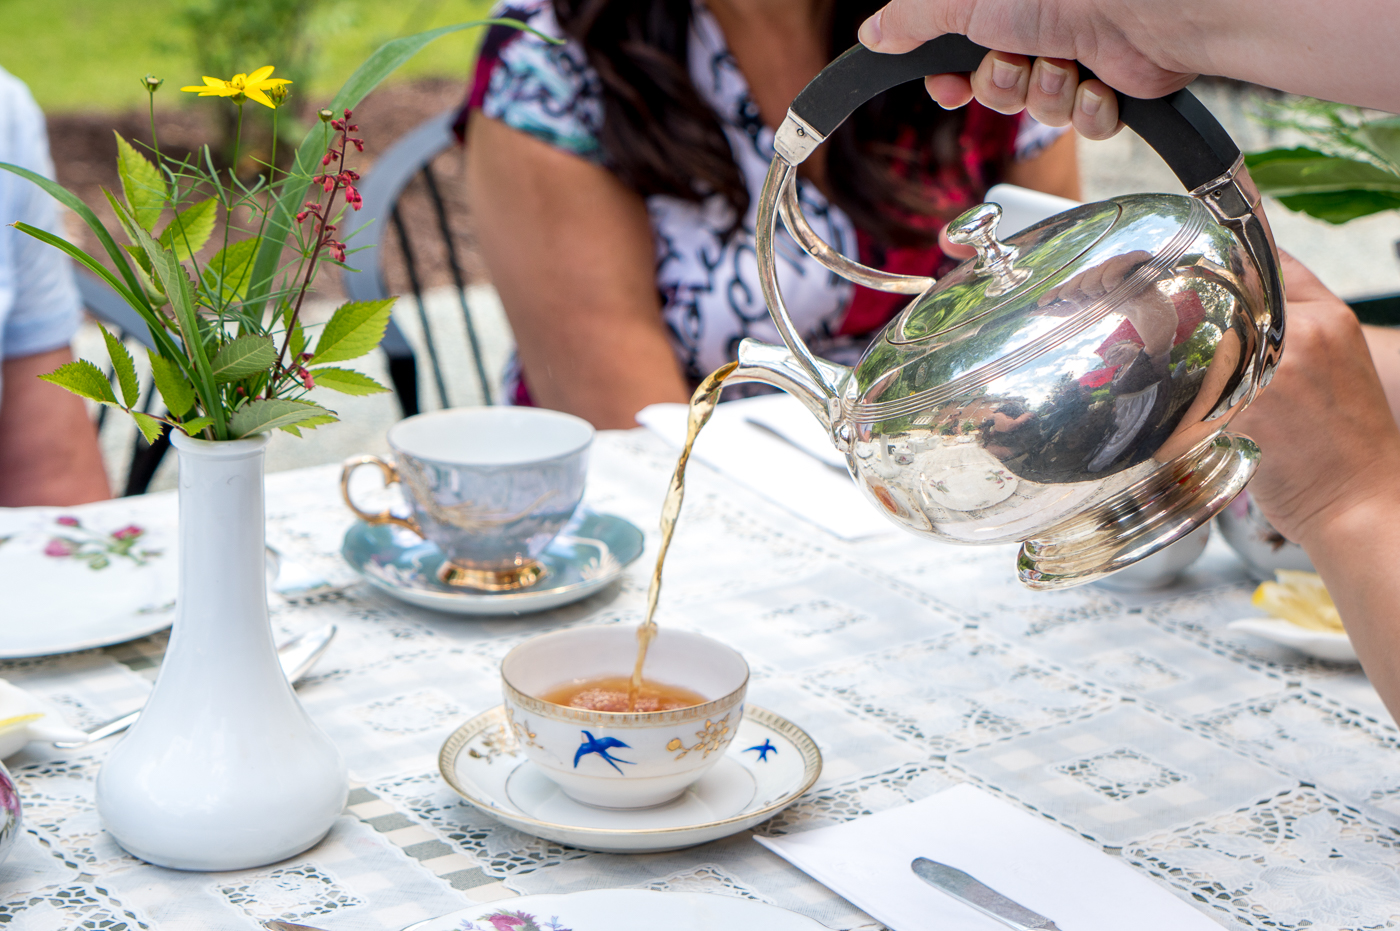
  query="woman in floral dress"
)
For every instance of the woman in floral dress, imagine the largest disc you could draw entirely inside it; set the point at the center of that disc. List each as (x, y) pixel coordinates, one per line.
(615, 180)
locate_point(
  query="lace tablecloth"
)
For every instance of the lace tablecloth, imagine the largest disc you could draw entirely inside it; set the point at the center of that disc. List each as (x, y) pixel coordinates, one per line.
(1260, 786)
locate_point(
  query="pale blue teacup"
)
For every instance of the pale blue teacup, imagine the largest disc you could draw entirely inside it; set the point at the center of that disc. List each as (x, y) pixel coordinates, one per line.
(489, 486)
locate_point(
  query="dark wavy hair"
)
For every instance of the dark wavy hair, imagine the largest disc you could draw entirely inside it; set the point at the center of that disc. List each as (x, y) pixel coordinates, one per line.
(662, 138)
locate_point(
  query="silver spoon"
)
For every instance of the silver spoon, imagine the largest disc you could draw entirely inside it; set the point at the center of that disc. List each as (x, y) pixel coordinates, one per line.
(297, 655)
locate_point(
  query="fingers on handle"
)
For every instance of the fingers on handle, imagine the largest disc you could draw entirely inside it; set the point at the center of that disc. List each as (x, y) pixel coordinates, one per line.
(1001, 82)
(1051, 90)
(949, 91)
(1095, 110)
(904, 25)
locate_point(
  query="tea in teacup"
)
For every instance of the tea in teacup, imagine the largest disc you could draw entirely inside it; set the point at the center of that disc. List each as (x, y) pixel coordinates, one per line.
(614, 693)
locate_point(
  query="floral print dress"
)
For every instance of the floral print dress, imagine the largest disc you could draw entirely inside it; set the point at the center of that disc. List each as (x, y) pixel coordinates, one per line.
(708, 284)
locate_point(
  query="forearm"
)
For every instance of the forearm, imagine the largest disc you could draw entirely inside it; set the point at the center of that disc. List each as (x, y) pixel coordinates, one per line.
(1148, 48)
(1333, 50)
(48, 444)
(1356, 554)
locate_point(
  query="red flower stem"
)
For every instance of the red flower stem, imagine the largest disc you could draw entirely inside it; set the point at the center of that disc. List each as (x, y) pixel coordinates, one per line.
(322, 237)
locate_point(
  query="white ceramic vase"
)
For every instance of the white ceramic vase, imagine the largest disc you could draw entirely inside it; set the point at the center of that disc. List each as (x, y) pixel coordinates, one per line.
(224, 770)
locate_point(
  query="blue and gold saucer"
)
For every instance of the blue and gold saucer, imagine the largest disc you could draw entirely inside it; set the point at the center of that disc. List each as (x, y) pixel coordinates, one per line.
(586, 557)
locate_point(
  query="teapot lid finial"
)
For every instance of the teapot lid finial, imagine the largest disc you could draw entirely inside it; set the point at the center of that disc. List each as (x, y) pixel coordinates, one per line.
(977, 228)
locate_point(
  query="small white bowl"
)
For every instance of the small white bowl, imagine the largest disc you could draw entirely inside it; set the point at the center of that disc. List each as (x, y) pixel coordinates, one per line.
(614, 759)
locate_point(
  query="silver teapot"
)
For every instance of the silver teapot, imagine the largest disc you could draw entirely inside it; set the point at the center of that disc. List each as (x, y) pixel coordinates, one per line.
(1069, 388)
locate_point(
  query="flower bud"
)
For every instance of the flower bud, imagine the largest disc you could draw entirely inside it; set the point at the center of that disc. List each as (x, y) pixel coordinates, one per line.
(278, 95)
(152, 83)
(326, 115)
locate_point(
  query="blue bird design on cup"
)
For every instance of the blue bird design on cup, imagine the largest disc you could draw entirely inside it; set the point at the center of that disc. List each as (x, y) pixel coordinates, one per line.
(600, 746)
(763, 749)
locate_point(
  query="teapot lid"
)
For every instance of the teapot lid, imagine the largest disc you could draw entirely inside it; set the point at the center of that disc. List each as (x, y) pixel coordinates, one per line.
(1133, 239)
(1023, 295)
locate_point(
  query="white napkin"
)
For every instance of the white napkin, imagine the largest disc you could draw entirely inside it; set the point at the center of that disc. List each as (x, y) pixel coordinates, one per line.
(25, 716)
(1037, 865)
(797, 469)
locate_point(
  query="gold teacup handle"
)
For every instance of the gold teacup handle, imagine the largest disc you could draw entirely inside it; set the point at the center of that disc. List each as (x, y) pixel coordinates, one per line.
(391, 475)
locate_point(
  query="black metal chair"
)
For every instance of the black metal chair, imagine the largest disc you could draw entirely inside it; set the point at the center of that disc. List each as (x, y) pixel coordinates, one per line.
(408, 161)
(107, 306)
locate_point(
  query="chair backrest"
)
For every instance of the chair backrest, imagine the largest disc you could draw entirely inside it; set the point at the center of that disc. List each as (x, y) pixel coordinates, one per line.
(106, 305)
(408, 159)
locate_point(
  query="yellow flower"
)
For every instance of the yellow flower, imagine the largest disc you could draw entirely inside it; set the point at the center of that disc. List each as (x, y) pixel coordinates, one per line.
(252, 86)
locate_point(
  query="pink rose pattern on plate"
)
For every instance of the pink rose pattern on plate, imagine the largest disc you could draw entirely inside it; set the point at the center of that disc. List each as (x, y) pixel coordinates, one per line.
(512, 921)
(98, 549)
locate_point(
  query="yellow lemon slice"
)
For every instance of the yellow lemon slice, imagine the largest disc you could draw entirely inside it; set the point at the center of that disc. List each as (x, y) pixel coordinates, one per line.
(1299, 598)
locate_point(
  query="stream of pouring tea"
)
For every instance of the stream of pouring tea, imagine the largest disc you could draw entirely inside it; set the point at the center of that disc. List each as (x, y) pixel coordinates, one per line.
(702, 405)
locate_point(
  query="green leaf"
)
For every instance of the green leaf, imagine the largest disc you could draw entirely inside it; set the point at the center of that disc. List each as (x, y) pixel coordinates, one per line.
(198, 425)
(1384, 137)
(310, 423)
(174, 388)
(366, 78)
(353, 330)
(346, 381)
(123, 366)
(85, 380)
(142, 184)
(1285, 172)
(191, 228)
(296, 341)
(175, 280)
(244, 356)
(1342, 206)
(266, 414)
(226, 274)
(149, 426)
(71, 201)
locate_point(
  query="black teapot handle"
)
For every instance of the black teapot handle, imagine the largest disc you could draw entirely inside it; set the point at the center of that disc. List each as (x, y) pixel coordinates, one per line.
(1190, 140)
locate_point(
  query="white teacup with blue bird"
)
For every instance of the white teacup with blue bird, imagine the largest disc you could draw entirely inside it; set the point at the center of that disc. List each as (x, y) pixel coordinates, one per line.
(612, 759)
(489, 486)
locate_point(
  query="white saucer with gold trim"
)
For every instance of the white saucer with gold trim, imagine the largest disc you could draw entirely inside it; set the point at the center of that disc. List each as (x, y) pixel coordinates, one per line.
(768, 765)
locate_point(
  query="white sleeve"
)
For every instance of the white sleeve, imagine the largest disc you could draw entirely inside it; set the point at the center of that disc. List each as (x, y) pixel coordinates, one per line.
(39, 305)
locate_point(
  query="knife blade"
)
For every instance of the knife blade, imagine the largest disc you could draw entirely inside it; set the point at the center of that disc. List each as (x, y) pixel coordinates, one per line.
(980, 896)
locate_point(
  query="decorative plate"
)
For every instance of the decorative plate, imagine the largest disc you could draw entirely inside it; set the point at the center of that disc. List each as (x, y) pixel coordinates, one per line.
(770, 762)
(84, 577)
(621, 910)
(1321, 644)
(588, 556)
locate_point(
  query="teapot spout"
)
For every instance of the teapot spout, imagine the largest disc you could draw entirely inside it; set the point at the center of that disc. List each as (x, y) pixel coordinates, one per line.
(777, 366)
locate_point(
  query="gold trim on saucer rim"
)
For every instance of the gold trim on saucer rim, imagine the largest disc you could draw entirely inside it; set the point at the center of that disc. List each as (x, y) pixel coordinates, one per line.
(496, 718)
(489, 580)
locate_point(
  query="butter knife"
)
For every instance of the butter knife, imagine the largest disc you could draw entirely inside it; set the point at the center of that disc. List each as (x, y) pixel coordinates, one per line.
(980, 896)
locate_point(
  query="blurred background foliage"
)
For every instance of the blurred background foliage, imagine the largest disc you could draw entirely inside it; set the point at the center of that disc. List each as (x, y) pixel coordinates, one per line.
(89, 55)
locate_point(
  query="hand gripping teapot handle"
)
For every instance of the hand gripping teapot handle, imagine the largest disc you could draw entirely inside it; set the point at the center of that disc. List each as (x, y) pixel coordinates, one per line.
(1178, 127)
(1190, 140)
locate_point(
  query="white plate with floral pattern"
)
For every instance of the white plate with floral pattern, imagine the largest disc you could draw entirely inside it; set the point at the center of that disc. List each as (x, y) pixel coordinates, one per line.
(85, 577)
(621, 910)
(587, 556)
(770, 762)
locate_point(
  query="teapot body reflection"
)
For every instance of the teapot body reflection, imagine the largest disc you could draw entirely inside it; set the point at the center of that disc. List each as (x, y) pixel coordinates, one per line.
(1069, 388)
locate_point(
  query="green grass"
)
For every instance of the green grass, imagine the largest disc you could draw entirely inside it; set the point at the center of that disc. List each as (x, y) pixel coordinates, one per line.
(90, 54)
